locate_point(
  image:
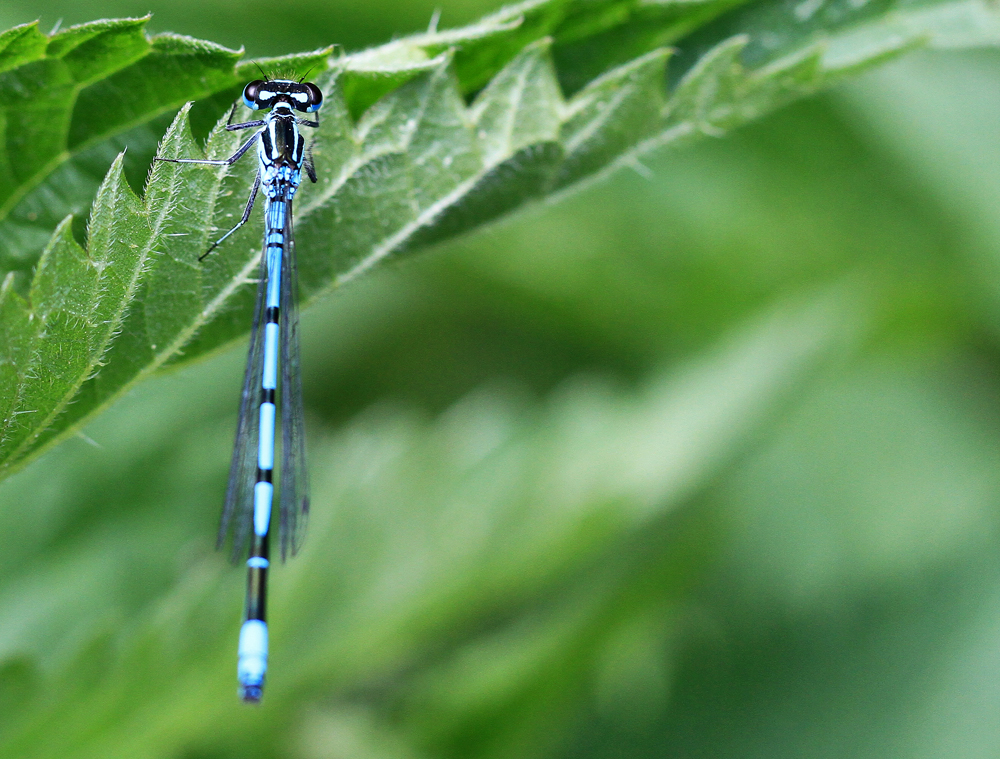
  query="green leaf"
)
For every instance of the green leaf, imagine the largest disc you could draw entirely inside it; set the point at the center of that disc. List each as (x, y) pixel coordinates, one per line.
(83, 86)
(404, 161)
(77, 303)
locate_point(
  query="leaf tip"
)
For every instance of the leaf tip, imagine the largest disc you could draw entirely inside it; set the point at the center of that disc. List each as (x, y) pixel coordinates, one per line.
(7, 286)
(542, 43)
(63, 228)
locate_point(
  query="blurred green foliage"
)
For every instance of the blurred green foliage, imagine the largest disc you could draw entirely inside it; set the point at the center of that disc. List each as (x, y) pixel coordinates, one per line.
(701, 462)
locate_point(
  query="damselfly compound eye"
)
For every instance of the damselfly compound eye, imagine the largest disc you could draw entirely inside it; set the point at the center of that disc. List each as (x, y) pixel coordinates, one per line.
(315, 97)
(250, 94)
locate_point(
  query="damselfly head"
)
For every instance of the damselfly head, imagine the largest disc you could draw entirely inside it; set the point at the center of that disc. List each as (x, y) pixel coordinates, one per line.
(302, 96)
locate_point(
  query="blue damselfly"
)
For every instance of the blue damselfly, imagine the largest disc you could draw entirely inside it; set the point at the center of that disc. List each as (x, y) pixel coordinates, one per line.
(274, 353)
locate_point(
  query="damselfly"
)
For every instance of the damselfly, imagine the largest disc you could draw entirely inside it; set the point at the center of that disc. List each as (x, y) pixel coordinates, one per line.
(274, 352)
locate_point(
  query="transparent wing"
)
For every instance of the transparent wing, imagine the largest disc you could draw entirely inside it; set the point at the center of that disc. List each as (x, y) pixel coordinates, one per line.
(237, 512)
(294, 494)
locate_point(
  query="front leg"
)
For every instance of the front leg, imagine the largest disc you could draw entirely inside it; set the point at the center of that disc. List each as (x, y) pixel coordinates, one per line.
(231, 127)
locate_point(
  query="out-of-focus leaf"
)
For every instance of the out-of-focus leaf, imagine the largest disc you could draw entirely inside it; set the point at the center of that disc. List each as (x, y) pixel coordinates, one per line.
(439, 529)
(921, 492)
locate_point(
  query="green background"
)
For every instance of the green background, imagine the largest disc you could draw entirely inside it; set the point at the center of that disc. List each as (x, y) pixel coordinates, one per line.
(829, 587)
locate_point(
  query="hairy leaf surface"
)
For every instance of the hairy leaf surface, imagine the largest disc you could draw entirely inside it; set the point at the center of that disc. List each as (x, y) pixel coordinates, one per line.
(421, 139)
